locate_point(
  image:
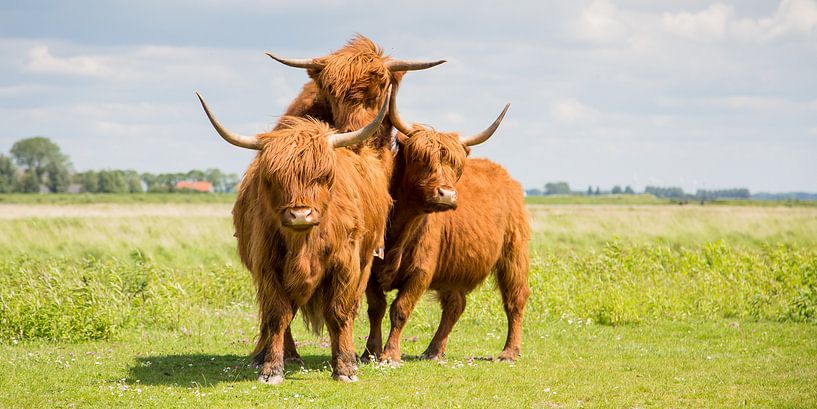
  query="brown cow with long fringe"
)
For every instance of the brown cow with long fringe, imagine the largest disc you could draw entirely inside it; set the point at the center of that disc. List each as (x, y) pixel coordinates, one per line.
(308, 217)
(431, 246)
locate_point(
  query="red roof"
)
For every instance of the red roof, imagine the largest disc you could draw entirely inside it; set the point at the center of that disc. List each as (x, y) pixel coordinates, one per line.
(197, 186)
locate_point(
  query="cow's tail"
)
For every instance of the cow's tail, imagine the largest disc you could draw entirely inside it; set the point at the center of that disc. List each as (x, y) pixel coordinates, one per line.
(312, 312)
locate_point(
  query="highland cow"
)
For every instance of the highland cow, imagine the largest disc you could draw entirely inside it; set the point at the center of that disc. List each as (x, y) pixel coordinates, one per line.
(431, 246)
(308, 217)
(345, 90)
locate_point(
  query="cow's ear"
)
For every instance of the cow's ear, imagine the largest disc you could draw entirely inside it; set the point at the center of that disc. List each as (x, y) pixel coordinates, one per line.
(467, 150)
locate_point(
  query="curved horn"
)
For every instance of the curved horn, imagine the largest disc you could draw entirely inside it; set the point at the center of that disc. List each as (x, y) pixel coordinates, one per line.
(340, 140)
(249, 142)
(484, 135)
(396, 121)
(402, 65)
(298, 63)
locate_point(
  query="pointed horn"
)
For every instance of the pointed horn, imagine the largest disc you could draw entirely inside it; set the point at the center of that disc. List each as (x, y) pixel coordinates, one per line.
(394, 115)
(298, 63)
(340, 140)
(401, 65)
(249, 142)
(484, 135)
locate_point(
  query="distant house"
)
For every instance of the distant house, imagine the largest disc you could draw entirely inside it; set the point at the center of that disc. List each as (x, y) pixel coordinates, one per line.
(206, 187)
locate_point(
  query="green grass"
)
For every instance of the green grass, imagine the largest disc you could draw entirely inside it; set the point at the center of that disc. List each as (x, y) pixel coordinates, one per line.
(642, 199)
(631, 306)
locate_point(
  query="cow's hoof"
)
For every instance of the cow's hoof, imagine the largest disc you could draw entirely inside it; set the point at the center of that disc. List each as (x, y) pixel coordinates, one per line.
(509, 358)
(430, 356)
(391, 363)
(295, 360)
(271, 379)
(345, 378)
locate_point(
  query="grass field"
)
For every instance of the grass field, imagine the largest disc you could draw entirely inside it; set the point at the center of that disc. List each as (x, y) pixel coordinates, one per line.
(633, 305)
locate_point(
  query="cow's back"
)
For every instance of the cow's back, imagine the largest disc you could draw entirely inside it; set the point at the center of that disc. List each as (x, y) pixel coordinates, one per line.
(472, 238)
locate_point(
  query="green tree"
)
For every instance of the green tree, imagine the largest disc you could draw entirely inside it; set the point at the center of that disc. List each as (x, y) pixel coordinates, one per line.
(89, 181)
(629, 190)
(557, 188)
(57, 178)
(112, 181)
(616, 190)
(195, 175)
(589, 191)
(150, 181)
(216, 177)
(40, 155)
(134, 181)
(231, 181)
(8, 175)
(30, 182)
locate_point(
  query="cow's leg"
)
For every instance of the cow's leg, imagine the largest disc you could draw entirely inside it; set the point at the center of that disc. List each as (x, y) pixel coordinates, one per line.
(399, 312)
(453, 303)
(376, 300)
(276, 315)
(290, 350)
(512, 277)
(344, 359)
(291, 355)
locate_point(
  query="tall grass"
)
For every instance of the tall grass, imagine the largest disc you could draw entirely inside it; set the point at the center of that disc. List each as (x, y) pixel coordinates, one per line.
(75, 278)
(64, 299)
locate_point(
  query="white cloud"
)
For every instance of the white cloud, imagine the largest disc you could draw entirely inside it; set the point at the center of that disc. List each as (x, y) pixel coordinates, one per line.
(41, 61)
(570, 110)
(791, 17)
(707, 24)
(601, 21)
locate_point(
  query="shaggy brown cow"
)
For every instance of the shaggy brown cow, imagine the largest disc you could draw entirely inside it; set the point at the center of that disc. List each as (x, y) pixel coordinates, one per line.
(450, 252)
(345, 91)
(308, 218)
(348, 85)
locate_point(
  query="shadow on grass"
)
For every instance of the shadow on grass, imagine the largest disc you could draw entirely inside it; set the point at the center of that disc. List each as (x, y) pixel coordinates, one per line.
(207, 369)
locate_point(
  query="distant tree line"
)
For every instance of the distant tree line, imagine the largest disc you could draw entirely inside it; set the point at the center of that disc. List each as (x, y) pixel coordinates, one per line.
(563, 188)
(37, 165)
(673, 193)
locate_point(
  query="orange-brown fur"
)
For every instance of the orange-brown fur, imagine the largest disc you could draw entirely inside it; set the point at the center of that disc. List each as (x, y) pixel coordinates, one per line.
(347, 94)
(323, 271)
(348, 91)
(450, 252)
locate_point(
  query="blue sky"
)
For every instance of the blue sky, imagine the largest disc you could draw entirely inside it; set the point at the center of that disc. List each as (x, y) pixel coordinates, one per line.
(675, 93)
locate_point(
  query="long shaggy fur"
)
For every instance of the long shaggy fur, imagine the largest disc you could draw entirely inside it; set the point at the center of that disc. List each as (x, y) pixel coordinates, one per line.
(450, 252)
(324, 271)
(348, 92)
